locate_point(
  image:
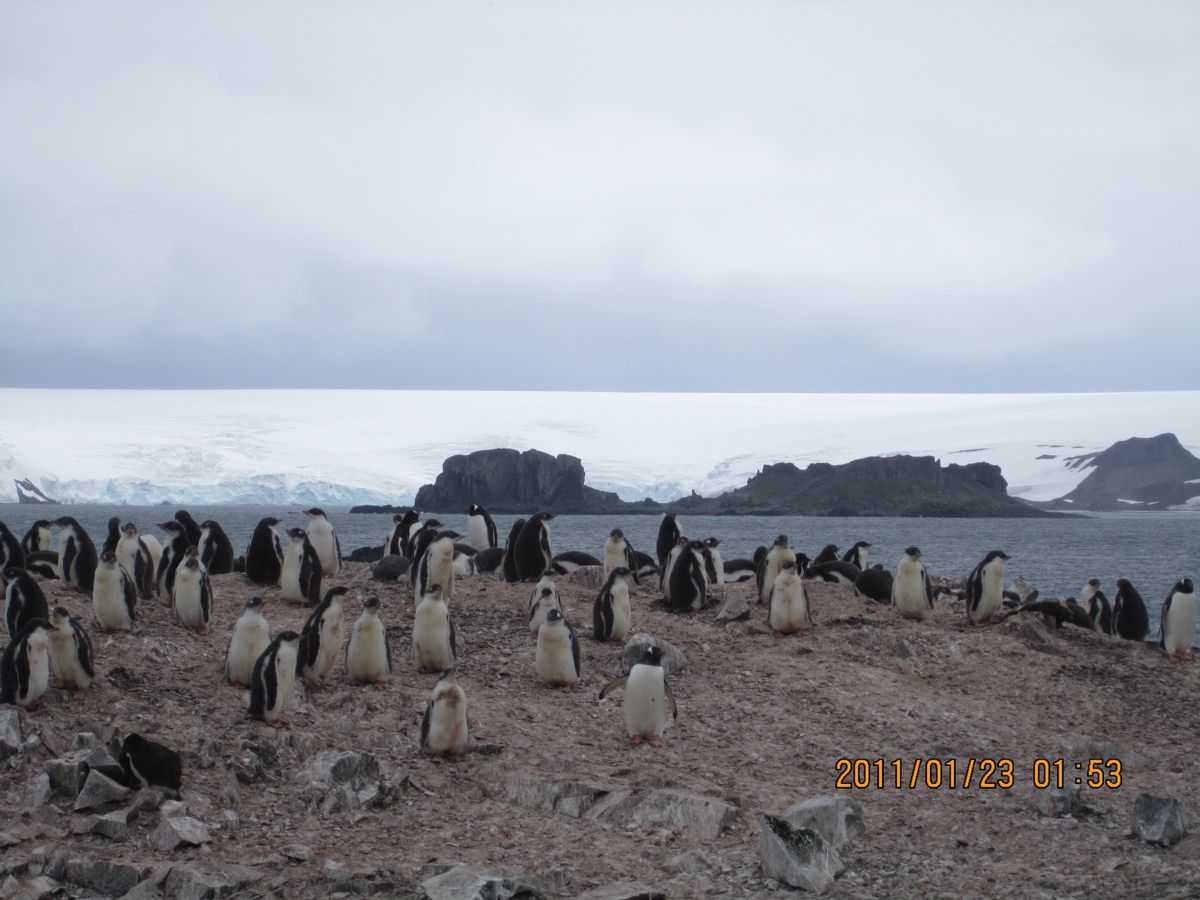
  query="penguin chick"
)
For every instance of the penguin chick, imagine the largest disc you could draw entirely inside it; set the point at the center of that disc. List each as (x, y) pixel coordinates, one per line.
(445, 728)
(368, 655)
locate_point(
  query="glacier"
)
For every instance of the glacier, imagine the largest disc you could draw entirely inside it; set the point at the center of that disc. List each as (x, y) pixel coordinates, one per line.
(341, 447)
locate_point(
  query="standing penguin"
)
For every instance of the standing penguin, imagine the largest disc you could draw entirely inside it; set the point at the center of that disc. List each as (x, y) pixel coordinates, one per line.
(542, 599)
(113, 536)
(669, 533)
(1098, 606)
(251, 636)
(274, 678)
(618, 553)
(911, 592)
(191, 594)
(481, 528)
(610, 612)
(1130, 618)
(324, 540)
(508, 566)
(985, 587)
(689, 584)
(664, 574)
(858, 555)
(788, 611)
(264, 556)
(418, 543)
(39, 537)
(216, 550)
(191, 528)
(434, 645)
(397, 539)
(714, 565)
(25, 666)
(1177, 622)
(23, 600)
(829, 553)
(557, 656)
(114, 597)
(771, 564)
(437, 566)
(70, 651)
(149, 764)
(135, 558)
(11, 551)
(532, 551)
(76, 555)
(321, 640)
(445, 728)
(368, 655)
(300, 577)
(647, 698)
(172, 556)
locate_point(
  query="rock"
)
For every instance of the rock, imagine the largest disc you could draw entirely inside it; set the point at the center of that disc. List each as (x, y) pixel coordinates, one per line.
(172, 809)
(41, 886)
(1083, 750)
(391, 568)
(10, 732)
(229, 820)
(100, 760)
(865, 637)
(1159, 820)
(688, 862)
(37, 791)
(111, 879)
(1057, 802)
(735, 609)
(673, 659)
(1031, 633)
(348, 767)
(99, 790)
(798, 857)
(146, 800)
(839, 820)
(465, 882)
(68, 773)
(87, 742)
(188, 882)
(180, 832)
(623, 890)
(298, 852)
(114, 825)
(585, 577)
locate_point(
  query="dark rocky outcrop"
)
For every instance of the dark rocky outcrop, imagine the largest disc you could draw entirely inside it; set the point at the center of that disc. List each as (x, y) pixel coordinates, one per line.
(1152, 472)
(28, 492)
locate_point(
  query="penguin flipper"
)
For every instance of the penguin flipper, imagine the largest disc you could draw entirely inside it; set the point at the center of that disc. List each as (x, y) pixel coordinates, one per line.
(425, 723)
(670, 698)
(453, 636)
(83, 649)
(613, 685)
(928, 587)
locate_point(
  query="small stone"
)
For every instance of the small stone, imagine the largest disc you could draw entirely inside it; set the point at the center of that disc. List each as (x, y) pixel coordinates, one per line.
(673, 659)
(837, 819)
(172, 809)
(87, 742)
(146, 800)
(757, 627)
(1057, 802)
(298, 852)
(114, 825)
(623, 890)
(735, 609)
(799, 857)
(41, 886)
(37, 791)
(179, 832)
(465, 881)
(100, 760)
(1159, 820)
(229, 820)
(333, 870)
(99, 790)
(68, 773)
(688, 862)
(10, 733)
(351, 768)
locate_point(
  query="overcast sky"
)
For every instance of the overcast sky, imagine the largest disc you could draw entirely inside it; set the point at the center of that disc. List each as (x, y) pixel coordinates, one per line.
(792, 196)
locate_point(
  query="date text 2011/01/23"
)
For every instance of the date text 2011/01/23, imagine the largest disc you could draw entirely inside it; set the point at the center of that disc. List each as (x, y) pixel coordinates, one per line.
(986, 773)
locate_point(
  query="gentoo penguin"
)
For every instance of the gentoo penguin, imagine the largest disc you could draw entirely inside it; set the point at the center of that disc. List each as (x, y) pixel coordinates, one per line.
(464, 563)
(669, 533)
(570, 560)
(1177, 622)
(414, 534)
(437, 567)
(557, 656)
(771, 564)
(739, 570)
(689, 585)
(481, 528)
(985, 587)
(912, 595)
(664, 574)
(368, 655)
(508, 566)
(1130, 618)
(418, 543)
(321, 639)
(645, 564)
(70, 651)
(76, 555)
(300, 577)
(135, 558)
(216, 550)
(542, 599)
(23, 600)
(191, 527)
(1080, 617)
(251, 636)
(43, 563)
(11, 552)
(833, 571)
(828, 553)
(788, 611)
(274, 677)
(324, 540)
(397, 538)
(647, 698)
(445, 729)
(875, 584)
(714, 564)
(1098, 606)
(858, 555)
(172, 556)
(38, 537)
(618, 552)
(610, 612)
(114, 597)
(112, 537)
(25, 666)
(148, 764)
(489, 560)
(434, 646)
(264, 556)
(532, 551)
(191, 594)
(1053, 613)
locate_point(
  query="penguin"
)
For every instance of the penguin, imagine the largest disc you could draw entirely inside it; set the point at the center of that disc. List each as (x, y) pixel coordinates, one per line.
(610, 612)
(112, 536)
(570, 560)
(70, 651)
(833, 571)
(985, 587)
(941, 593)
(76, 555)
(39, 537)
(1053, 613)
(251, 636)
(714, 564)
(1010, 599)
(1177, 621)
(557, 656)
(481, 528)
(321, 639)
(669, 532)
(644, 564)
(1130, 618)
(368, 655)
(619, 553)
(508, 566)
(664, 574)
(25, 666)
(437, 567)
(912, 595)
(191, 594)
(114, 596)
(489, 560)
(264, 556)
(274, 678)
(434, 646)
(149, 764)
(23, 600)
(689, 585)
(770, 565)
(43, 563)
(647, 698)
(398, 536)
(324, 539)
(300, 576)
(739, 570)
(532, 550)
(414, 535)
(829, 553)
(1080, 617)
(542, 599)
(858, 555)
(417, 545)
(788, 611)
(135, 558)
(464, 563)
(445, 728)
(216, 550)
(191, 527)
(172, 556)
(1098, 606)
(875, 584)
(11, 551)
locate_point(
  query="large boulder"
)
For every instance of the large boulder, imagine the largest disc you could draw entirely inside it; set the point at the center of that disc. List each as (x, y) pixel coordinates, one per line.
(798, 857)
(466, 882)
(1159, 820)
(837, 819)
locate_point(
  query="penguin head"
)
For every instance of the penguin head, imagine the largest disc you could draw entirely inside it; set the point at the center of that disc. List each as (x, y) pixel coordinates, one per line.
(269, 521)
(473, 510)
(1123, 585)
(616, 533)
(397, 518)
(431, 523)
(10, 573)
(621, 571)
(546, 515)
(42, 523)
(1000, 555)
(681, 541)
(191, 563)
(651, 656)
(371, 603)
(114, 525)
(108, 558)
(191, 553)
(335, 594)
(554, 615)
(1094, 582)
(914, 552)
(547, 591)
(170, 527)
(207, 524)
(60, 617)
(130, 529)
(781, 541)
(255, 602)
(434, 590)
(858, 544)
(297, 534)
(452, 535)
(1184, 586)
(802, 562)
(66, 522)
(712, 542)
(183, 517)
(287, 637)
(315, 512)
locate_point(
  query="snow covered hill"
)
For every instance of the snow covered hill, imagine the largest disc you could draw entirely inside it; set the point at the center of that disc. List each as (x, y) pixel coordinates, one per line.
(343, 447)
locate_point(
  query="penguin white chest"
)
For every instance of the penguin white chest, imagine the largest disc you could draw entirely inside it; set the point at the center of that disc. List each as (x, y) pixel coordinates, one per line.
(908, 591)
(448, 730)
(366, 657)
(431, 637)
(64, 661)
(538, 608)
(1179, 629)
(289, 578)
(331, 639)
(251, 635)
(127, 554)
(477, 531)
(614, 555)
(621, 612)
(39, 668)
(991, 591)
(645, 702)
(188, 598)
(554, 660)
(788, 612)
(320, 535)
(285, 675)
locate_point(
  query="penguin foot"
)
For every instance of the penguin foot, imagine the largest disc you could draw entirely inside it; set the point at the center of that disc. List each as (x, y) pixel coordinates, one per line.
(1175, 657)
(566, 689)
(637, 740)
(655, 742)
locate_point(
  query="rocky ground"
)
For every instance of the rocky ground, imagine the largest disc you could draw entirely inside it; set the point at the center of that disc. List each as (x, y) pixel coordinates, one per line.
(555, 796)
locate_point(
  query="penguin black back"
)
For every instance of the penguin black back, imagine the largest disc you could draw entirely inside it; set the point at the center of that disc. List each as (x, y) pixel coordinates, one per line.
(190, 527)
(216, 550)
(668, 534)
(264, 556)
(532, 550)
(23, 600)
(147, 763)
(509, 563)
(1131, 619)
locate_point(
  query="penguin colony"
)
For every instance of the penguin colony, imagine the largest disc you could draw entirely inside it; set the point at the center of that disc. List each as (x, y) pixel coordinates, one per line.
(131, 567)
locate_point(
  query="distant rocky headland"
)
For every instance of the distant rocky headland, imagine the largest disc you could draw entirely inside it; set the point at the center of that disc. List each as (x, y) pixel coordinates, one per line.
(1139, 473)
